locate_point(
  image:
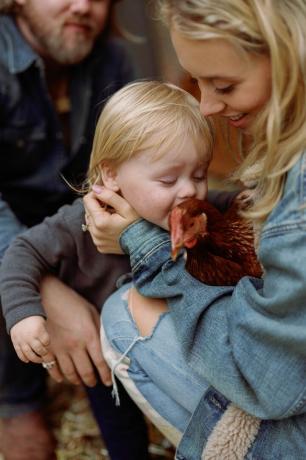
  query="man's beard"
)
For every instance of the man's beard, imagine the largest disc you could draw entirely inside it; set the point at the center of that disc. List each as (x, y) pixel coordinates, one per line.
(61, 52)
(64, 50)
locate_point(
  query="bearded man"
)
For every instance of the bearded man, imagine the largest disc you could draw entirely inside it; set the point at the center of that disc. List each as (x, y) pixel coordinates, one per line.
(57, 65)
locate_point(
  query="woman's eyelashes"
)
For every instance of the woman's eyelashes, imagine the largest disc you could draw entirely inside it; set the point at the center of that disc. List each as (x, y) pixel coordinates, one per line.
(225, 90)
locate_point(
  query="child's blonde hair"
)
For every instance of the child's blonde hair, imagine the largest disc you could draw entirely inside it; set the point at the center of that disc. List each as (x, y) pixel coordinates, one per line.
(276, 28)
(146, 115)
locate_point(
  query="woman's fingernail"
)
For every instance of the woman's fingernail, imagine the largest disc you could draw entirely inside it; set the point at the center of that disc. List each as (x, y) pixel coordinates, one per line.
(97, 188)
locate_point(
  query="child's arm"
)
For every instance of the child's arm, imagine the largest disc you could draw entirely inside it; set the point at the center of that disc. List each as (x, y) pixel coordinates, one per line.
(38, 251)
(30, 339)
(58, 246)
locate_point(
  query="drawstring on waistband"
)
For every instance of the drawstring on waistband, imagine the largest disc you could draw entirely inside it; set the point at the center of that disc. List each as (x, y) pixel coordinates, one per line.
(115, 391)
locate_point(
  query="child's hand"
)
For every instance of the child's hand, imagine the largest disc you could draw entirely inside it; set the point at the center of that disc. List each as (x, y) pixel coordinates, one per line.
(30, 339)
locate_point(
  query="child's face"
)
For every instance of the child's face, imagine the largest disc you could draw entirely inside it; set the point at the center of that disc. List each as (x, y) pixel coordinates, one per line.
(154, 186)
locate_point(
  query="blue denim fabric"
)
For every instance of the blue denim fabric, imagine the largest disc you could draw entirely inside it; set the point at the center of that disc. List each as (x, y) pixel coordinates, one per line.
(9, 225)
(247, 341)
(180, 395)
(178, 392)
(33, 157)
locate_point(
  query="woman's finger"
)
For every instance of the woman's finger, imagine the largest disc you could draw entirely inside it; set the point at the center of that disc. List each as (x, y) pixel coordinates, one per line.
(101, 196)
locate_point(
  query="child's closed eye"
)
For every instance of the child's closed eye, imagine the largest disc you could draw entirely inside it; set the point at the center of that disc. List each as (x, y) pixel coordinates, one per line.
(168, 180)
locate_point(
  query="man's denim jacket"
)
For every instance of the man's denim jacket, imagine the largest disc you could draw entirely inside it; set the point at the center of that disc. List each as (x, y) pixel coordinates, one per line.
(247, 341)
(33, 157)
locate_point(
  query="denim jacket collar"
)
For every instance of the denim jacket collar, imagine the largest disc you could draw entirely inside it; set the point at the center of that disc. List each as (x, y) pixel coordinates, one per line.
(16, 53)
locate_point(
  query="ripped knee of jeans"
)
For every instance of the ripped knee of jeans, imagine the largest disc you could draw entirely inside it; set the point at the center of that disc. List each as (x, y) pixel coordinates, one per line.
(145, 311)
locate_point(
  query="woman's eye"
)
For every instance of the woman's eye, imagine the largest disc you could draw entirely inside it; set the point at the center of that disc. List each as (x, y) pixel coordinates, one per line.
(225, 90)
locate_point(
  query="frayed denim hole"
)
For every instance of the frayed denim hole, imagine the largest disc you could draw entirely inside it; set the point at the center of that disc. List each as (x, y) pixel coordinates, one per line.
(161, 317)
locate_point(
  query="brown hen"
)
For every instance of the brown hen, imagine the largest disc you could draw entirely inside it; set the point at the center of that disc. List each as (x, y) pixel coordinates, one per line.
(220, 247)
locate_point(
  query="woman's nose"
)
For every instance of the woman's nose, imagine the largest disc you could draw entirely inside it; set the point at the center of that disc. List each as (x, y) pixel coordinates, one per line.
(210, 104)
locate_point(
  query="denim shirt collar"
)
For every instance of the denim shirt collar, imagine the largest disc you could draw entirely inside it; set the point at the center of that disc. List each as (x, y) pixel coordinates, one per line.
(16, 53)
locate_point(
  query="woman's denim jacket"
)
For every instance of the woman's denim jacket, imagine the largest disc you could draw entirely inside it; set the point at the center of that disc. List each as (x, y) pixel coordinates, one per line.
(247, 341)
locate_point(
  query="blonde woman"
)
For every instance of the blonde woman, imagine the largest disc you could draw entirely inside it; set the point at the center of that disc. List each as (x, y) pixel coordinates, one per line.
(216, 349)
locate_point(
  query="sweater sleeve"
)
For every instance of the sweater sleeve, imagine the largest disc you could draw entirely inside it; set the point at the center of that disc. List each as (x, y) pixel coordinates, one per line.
(36, 252)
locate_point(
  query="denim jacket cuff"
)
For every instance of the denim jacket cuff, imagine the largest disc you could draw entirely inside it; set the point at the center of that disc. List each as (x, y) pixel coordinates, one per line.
(140, 238)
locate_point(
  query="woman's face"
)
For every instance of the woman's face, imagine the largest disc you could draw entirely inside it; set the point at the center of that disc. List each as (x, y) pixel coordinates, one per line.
(233, 85)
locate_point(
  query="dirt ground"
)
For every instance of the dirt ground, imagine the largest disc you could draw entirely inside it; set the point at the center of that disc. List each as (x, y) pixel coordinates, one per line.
(76, 430)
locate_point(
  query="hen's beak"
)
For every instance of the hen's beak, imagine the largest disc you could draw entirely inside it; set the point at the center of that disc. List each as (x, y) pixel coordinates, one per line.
(176, 232)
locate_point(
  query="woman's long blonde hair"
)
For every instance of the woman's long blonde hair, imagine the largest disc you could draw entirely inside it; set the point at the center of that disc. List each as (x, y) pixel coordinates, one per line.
(146, 115)
(278, 29)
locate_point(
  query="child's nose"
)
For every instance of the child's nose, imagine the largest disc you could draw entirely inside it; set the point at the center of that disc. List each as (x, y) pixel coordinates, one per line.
(188, 190)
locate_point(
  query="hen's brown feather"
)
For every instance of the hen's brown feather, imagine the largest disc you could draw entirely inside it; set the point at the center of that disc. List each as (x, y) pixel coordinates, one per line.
(222, 252)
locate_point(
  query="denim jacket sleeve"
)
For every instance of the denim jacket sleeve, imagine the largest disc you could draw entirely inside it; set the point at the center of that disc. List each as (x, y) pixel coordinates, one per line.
(247, 341)
(10, 226)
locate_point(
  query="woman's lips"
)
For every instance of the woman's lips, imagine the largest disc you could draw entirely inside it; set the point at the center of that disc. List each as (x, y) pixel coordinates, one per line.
(239, 122)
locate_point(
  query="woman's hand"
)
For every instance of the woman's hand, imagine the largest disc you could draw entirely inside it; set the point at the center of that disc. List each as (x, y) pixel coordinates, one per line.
(106, 224)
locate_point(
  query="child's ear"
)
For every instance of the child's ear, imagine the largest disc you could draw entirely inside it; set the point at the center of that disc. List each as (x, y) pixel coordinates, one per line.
(109, 176)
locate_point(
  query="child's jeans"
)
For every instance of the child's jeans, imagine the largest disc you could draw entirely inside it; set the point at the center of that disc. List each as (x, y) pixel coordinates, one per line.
(140, 362)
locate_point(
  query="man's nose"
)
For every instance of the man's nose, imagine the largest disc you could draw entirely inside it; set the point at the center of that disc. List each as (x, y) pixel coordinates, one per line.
(210, 104)
(80, 6)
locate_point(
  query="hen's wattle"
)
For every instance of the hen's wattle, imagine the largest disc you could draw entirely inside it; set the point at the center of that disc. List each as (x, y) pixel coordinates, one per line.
(220, 247)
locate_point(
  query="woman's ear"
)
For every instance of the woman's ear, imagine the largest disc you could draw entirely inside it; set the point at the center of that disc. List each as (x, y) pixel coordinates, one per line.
(109, 176)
